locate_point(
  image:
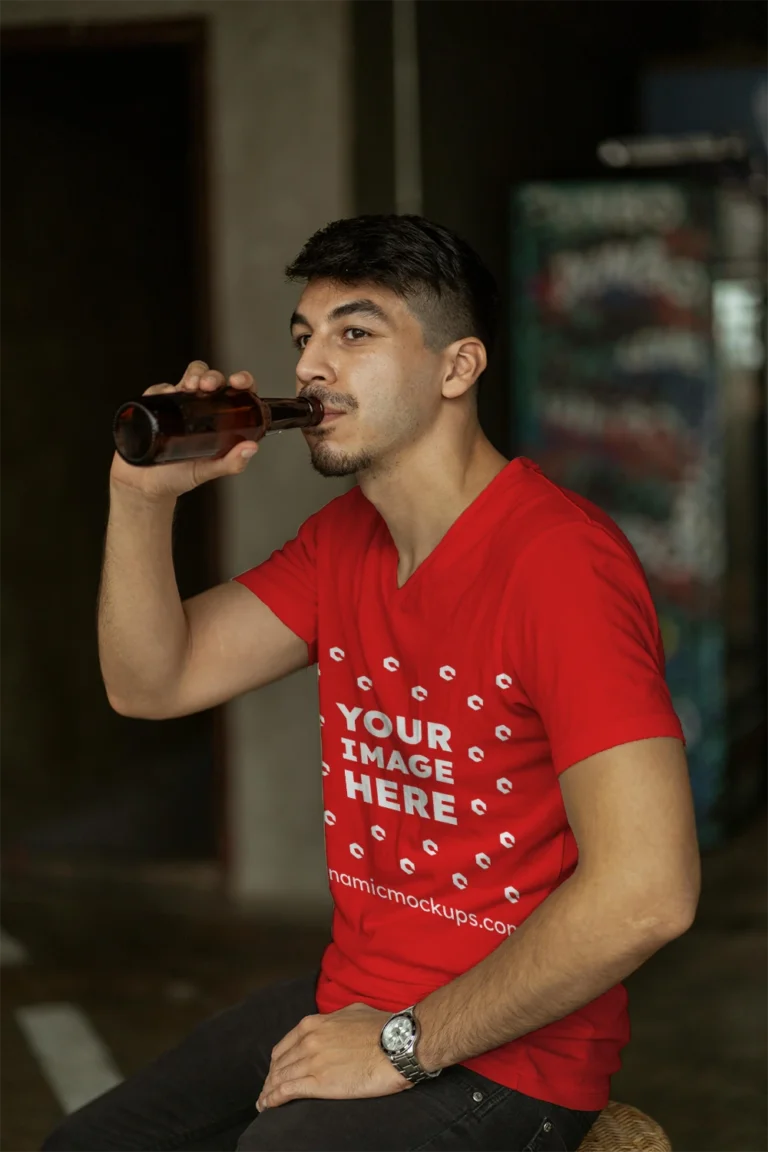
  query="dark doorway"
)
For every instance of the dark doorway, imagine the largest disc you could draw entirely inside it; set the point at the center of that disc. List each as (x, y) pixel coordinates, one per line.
(103, 276)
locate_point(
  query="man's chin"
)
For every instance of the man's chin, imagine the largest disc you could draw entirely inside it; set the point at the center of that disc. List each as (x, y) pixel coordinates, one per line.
(330, 461)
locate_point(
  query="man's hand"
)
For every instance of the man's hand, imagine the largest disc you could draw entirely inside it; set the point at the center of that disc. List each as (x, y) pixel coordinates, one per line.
(173, 480)
(332, 1057)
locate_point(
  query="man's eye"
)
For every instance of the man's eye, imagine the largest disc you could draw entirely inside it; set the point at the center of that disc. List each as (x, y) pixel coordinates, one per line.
(355, 333)
(300, 341)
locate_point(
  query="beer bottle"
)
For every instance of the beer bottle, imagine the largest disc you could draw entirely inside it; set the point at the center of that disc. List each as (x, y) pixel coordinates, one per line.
(173, 426)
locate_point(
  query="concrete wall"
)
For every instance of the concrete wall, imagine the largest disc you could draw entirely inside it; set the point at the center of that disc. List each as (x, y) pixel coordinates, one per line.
(280, 164)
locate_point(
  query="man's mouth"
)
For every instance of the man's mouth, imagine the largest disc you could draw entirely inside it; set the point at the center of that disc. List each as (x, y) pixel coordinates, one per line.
(331, 414)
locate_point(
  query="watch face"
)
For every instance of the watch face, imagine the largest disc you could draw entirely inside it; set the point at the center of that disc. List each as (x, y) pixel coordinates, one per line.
(398, 1033)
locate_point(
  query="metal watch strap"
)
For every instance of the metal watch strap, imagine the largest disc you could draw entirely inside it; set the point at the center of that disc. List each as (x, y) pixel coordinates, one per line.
(408, 1066)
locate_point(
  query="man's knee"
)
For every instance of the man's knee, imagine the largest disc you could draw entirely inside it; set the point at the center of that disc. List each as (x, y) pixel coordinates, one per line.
(247, 1141)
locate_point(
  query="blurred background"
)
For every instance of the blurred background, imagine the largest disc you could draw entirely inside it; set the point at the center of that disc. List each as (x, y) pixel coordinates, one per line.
(162, 160)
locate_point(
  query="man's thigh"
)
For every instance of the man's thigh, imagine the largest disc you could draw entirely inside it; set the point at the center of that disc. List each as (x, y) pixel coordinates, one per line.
(460, 1110)
(208, 1084)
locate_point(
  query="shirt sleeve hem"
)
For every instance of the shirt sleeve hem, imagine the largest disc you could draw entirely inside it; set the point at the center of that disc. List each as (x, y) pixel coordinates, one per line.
(284, 607)
(613, 736)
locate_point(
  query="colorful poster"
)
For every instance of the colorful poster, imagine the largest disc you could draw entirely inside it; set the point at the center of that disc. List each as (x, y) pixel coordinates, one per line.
(616, 398)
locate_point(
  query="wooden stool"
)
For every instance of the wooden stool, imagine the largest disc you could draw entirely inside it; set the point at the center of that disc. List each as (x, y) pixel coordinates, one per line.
(622, 1128)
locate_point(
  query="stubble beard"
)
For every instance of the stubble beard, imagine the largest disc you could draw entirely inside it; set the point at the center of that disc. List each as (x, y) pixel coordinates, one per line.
(330, 462)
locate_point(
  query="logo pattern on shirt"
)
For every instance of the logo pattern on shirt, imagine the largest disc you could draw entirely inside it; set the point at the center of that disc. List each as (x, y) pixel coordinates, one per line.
(395, 762)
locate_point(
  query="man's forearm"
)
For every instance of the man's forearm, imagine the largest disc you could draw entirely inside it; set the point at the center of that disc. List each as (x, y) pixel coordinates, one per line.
(579, 942)
(142, 627)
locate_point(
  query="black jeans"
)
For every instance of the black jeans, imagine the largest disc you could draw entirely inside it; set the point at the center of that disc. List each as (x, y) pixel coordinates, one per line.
(201, 1097)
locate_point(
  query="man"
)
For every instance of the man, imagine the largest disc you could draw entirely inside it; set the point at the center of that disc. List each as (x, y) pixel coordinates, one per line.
(508, 818)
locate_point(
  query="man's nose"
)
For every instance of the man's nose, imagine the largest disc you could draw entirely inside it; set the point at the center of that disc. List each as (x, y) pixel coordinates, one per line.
(313, 366)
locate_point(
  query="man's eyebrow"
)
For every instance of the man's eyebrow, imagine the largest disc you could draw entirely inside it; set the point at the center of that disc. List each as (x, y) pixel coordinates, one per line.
(363, 307)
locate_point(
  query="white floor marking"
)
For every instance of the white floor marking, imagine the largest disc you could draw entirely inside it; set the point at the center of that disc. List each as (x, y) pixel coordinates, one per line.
(73, 1058)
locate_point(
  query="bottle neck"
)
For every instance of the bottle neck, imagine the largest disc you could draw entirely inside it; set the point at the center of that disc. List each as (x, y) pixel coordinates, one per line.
(303, 412)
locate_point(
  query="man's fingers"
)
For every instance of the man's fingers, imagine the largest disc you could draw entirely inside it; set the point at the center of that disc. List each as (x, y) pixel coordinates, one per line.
(288, 1041)
(242, 380)
(212, 380)
(196, 369)
(198, 377)
(209, 381)
(156, 389)
(277, 1094)
(297, 1034)
(298, 1069)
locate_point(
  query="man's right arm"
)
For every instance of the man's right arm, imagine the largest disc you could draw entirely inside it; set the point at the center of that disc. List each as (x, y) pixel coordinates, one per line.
(161, 657)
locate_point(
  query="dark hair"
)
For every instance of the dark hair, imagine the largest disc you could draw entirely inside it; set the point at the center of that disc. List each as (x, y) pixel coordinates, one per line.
(439, 276)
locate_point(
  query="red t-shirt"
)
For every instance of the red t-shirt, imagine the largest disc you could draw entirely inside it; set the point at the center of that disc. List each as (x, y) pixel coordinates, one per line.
(525, 642)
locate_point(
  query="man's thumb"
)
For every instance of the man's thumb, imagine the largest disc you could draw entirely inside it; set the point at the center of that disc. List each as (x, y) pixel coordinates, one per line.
(235, 461)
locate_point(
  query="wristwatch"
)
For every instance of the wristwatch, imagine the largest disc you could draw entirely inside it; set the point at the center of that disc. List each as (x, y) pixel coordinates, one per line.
(398, 1040)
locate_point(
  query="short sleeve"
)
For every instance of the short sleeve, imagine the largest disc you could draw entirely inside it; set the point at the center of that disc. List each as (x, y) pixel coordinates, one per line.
(585, 644)
(287, 584)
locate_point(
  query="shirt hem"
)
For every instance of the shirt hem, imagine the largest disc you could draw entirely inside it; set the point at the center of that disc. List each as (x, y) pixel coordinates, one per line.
(580, 1099)
(282, 606)
(623, 732)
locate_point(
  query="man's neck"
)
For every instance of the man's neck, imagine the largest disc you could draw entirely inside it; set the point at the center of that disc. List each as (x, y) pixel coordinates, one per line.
(426, 490)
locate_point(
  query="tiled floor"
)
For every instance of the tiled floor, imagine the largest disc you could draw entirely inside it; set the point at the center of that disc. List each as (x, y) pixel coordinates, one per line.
(146, 968)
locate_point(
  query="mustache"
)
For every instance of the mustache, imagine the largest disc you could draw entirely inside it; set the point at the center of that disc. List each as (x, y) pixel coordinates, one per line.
(329, 399)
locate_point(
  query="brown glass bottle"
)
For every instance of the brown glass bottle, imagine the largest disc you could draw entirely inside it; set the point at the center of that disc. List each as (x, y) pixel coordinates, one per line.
(175, 426)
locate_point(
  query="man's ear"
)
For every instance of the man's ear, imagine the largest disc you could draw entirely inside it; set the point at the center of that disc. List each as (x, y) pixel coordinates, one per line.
(467, 360)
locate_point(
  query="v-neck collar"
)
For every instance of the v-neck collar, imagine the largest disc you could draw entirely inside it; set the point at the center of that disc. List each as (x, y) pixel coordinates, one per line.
(467, 530)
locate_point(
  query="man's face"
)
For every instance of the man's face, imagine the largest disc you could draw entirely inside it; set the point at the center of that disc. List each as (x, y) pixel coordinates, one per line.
(363, 355)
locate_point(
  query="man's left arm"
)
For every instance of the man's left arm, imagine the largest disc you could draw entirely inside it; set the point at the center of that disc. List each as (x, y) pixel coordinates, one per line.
(635, 888)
